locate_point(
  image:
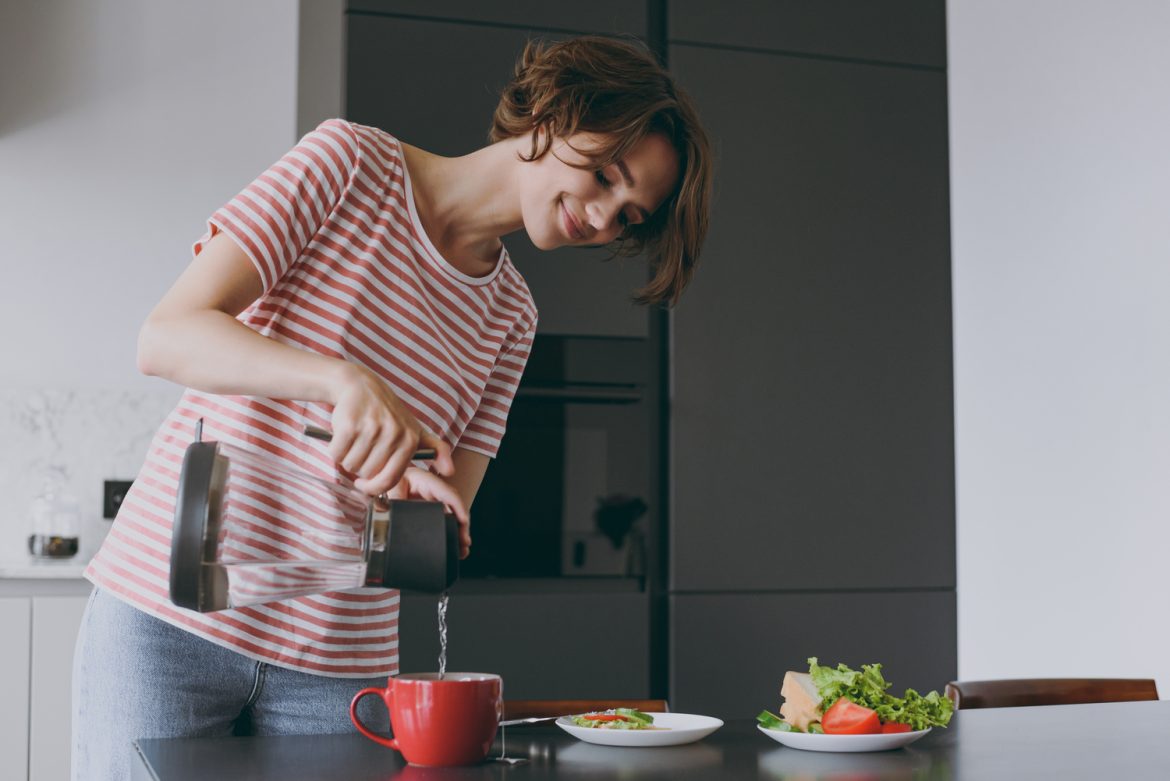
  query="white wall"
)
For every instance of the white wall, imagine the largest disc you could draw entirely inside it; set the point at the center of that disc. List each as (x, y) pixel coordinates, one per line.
(1060, 161)
(123, 124)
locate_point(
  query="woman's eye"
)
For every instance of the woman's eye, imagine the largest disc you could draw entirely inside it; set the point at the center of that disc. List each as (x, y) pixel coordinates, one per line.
(601, 178)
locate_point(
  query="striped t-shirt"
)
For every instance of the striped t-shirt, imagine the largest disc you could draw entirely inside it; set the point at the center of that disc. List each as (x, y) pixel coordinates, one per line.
(349, 272)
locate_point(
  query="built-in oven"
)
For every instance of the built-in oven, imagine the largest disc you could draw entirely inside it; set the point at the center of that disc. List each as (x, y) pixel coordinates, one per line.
(571, 492)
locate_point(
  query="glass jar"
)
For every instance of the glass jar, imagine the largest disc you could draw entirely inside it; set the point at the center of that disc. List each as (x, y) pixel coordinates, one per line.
(55, 520)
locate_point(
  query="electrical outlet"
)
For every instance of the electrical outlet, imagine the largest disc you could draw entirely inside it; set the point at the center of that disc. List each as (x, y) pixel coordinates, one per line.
(112, 495)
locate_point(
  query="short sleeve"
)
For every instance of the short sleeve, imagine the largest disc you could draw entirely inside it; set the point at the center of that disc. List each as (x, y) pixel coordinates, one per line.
(276, 216)
(486, 429)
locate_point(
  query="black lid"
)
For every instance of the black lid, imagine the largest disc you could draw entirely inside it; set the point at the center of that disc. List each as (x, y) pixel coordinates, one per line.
(192, 506)
(422, 547)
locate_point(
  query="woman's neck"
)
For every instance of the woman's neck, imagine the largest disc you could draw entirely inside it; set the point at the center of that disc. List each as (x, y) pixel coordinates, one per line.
(467, 203)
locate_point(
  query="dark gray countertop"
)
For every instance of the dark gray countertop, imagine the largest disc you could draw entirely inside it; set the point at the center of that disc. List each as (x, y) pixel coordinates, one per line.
(1111, 741)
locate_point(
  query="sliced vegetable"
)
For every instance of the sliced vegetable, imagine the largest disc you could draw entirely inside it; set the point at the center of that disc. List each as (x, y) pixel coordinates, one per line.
(635, 715)
(816, 729)
(615, 718)
(769, 720)
(848, 718)
(893, 727)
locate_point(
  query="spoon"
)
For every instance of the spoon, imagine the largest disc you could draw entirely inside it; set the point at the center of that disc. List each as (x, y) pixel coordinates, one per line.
(532, 720)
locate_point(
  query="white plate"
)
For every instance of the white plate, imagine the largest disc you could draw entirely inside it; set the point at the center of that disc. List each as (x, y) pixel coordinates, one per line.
(812, 742)
(680, 728)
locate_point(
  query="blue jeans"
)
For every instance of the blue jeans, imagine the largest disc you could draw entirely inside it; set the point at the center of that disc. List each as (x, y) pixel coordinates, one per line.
(135, 676)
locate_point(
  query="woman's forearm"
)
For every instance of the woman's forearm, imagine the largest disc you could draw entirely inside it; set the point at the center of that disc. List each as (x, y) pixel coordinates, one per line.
(214, 352)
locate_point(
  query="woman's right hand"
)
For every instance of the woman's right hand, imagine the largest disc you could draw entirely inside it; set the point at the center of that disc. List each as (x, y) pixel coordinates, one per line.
(375, 436)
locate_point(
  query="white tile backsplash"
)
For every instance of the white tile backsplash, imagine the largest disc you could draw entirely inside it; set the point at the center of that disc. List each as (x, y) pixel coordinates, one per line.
(89, 435)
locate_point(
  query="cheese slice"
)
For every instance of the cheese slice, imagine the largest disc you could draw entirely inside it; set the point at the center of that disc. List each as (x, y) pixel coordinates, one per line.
(802, 704)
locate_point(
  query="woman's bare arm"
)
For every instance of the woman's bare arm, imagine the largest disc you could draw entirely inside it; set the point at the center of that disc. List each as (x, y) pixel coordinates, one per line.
(470, 467)
(192, 337)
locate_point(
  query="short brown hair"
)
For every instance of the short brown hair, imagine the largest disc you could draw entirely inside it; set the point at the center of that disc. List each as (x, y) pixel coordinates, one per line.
(615, 88)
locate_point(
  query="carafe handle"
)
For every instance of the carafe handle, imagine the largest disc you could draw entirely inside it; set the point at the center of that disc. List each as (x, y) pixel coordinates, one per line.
(385, 695)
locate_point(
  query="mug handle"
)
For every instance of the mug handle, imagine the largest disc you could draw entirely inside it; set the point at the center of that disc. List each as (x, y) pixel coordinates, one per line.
(362, 728)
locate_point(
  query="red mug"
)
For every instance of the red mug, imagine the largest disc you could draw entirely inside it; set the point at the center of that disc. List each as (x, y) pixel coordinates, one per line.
(439, 723)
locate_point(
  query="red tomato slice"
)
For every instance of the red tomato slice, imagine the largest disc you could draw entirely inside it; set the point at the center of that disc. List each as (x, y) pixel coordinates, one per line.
(891, 727)
(849, 718)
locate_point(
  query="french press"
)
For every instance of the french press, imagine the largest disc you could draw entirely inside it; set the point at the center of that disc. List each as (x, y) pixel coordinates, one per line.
(249, 529)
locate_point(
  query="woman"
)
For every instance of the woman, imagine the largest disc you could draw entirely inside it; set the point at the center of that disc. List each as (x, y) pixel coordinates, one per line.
(360, 285)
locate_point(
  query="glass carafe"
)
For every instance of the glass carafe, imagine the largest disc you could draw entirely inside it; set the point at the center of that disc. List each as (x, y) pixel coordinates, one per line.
(250, 529)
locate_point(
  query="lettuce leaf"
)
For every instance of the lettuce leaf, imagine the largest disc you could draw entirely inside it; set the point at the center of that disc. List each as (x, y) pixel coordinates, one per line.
(868, 688)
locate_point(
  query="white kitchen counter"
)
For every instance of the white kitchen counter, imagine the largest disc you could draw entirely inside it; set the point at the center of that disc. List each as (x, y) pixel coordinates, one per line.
(31, 568)
(26, 577)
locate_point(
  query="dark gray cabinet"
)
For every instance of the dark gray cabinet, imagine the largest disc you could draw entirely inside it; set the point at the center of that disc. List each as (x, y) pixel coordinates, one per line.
(546, 642)
(599, 16)
(435, 84)
(813, 355)
(812, 452)
(729, 652)
(892, 31)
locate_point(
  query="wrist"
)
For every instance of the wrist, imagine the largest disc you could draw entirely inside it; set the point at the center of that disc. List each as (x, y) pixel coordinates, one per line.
(342, 377)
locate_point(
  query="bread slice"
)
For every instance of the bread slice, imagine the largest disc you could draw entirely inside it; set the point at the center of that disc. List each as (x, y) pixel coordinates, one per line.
(802, 704)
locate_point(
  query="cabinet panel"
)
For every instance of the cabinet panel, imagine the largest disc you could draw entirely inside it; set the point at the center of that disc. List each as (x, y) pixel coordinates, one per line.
(542, 644)
(15, 617)
(56, 622)
(903, 31)
(730, 651)
(812, 411)
(436, 85)
(603, 16)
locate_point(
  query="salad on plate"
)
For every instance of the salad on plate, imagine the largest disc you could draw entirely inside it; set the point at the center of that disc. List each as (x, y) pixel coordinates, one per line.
(615, 718)
(841, 701)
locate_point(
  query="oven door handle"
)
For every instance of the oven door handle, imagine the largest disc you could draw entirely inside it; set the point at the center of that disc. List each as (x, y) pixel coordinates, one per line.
(581, 394)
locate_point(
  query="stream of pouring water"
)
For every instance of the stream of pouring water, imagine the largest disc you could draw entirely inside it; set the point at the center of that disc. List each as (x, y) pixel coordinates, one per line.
(443, 634)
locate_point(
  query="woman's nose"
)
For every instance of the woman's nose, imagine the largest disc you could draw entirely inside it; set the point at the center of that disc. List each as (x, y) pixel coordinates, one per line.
(602, 215)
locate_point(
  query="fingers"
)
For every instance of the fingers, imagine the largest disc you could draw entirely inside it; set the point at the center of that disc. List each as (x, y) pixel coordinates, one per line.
(375, 434)
(390, 474)
(433, 488)
(359, 452)
(378, 456)
(385, 461)
(341, 441)
(443, 464)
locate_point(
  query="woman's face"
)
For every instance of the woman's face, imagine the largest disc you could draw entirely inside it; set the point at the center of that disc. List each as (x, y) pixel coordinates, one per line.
(566, 206)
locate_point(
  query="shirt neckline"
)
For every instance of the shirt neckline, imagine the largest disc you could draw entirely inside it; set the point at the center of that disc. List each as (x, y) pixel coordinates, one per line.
(428, 245)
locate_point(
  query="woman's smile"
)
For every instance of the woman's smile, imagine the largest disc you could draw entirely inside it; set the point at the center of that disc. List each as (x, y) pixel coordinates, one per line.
(572, 227)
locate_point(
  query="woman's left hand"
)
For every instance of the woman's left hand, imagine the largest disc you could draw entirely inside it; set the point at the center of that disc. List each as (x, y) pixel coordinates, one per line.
(420, 484)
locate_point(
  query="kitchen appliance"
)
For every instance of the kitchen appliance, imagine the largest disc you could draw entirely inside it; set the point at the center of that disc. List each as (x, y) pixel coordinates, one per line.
(573, 492)
(249, 529)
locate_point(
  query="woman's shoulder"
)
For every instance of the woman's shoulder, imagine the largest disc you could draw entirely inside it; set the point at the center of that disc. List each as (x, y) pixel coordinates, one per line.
(373, 145)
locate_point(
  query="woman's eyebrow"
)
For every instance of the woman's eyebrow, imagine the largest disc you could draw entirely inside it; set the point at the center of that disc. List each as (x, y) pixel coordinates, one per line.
(625, 172)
